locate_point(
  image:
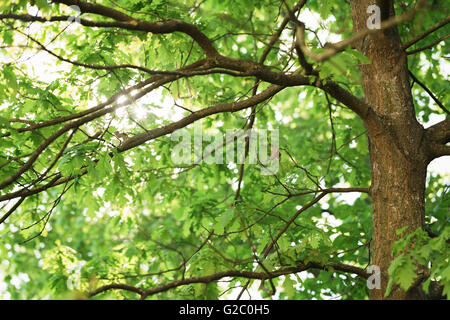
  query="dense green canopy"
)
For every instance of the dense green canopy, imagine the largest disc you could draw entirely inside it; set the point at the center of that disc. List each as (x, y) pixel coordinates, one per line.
(83, 206)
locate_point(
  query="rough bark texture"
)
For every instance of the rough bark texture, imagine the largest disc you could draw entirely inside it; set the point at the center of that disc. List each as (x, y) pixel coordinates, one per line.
(395, 139)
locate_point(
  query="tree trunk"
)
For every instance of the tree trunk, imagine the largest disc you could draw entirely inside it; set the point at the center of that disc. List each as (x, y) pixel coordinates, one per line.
(398, 161)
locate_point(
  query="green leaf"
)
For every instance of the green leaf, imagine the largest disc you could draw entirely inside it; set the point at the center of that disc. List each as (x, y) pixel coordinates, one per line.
(401, 230)
(289, 287)
(407, 276)
(223, 221)
(10, 77)
(359, 55)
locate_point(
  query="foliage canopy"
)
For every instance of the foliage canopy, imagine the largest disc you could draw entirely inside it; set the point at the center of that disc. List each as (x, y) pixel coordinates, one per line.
(120, 212)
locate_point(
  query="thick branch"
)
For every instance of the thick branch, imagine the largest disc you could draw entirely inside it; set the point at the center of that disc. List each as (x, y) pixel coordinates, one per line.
(436, 138)
(249, 68)
(219, 108)
(116, 286)
(440, 132)
(157, 78)
(280, 79)
(127, 22)
(135, 140)
(354, 103)
(168, 26)
(86, 7)
(357, 105)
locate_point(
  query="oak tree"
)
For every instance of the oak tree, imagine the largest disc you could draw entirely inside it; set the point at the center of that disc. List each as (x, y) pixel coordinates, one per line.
(94, 205)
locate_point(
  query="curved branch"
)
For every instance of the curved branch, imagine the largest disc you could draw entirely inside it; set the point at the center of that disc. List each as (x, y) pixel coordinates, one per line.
(219, 108)
(127, 22)
(232, 273)
(116, 286)
(133, 141)
(87, 7)
(161, 78)
(358, 105)
(249, 68)
(332, 49)
(70, 126)
(96, 67)
(279, 79)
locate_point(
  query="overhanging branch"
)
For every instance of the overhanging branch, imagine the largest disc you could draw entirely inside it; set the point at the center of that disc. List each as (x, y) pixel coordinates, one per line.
(127, 22)
(249, 68)
(219, 108)
(214, 63)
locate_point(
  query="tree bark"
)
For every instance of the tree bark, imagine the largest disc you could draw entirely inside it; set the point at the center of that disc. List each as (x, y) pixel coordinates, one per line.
(396, 139)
